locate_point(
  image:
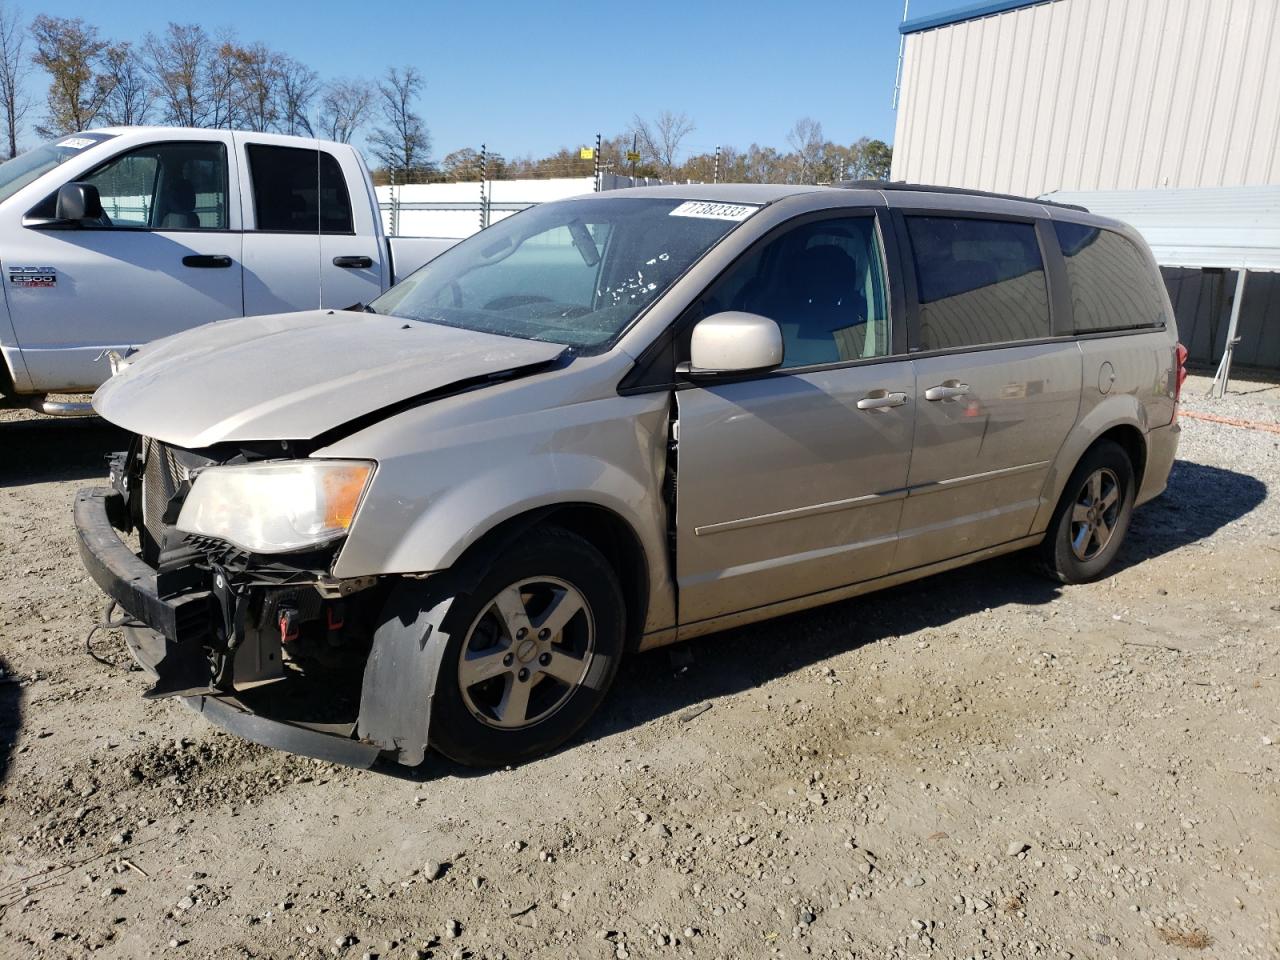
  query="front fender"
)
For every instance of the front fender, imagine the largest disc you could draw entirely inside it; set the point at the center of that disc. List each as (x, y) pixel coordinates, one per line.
(1109, 412)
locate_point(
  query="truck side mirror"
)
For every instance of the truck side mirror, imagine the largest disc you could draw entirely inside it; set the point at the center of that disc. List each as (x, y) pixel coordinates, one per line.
(78, 202)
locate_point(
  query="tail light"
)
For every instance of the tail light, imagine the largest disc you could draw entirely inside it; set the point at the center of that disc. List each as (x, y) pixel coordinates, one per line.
(1180, 372)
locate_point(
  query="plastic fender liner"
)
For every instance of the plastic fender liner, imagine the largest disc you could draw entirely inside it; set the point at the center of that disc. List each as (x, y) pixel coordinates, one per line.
(400, 675)
(408, 647)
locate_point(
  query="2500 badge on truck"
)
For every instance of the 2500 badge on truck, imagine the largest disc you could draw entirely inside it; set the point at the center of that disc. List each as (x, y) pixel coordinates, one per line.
(610, 423)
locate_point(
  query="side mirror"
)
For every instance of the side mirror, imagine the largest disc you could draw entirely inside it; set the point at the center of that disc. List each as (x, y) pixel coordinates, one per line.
(77, 202)
(734, 342)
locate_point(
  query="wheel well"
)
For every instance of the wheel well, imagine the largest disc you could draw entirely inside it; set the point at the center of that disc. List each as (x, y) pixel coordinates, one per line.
(604, 530)
(1134, 444)
(6, 379)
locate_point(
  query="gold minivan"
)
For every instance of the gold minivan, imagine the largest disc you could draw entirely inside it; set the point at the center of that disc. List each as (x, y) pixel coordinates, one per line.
(610, 423)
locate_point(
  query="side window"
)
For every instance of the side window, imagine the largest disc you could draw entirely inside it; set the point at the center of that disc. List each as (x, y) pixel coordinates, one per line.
(166, 186)
(822, 282)
(979, 282)
(298, 191)
(1113, 287)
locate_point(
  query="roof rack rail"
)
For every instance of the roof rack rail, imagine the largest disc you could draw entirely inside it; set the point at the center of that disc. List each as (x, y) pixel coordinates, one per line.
(930, 188)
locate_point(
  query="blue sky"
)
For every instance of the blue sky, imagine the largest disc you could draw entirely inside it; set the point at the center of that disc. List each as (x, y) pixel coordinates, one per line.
(531, 77)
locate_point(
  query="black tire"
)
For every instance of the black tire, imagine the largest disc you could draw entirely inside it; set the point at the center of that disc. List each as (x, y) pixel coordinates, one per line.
(1061, 555)
(463, 722)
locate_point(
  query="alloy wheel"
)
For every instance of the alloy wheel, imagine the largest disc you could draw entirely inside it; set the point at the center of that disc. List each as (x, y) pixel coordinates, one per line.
(526, 653)
(1095, 514)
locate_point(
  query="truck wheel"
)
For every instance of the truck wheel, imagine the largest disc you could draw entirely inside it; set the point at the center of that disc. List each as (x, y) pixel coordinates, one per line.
(1092, 518)
(532, 651)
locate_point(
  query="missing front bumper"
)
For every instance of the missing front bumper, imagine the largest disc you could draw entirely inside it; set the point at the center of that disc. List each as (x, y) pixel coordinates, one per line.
(170, 643)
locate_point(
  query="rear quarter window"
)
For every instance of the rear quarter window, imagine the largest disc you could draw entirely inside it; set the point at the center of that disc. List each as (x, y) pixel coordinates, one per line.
(1113, 286)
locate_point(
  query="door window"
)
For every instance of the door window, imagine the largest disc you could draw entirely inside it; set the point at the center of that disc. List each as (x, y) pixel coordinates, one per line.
(978, 282)
(298, 191)
(163, 186)
(822, 282)
(1113, 287)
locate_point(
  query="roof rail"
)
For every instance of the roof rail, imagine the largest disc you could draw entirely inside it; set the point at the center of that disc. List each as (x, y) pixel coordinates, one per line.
(963, 191)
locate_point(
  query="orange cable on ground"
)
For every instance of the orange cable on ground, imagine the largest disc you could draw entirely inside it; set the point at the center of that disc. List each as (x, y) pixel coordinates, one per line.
(1231, 421)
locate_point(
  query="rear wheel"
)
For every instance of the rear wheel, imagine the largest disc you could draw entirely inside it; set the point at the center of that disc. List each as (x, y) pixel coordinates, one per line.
(531, 652)
(1092, 518)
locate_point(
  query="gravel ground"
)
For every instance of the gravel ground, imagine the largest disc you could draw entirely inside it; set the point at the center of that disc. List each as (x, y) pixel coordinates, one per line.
(982, 764)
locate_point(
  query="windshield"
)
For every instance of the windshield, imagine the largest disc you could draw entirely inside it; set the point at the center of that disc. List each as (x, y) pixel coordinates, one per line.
(26, 167)
(575, 272)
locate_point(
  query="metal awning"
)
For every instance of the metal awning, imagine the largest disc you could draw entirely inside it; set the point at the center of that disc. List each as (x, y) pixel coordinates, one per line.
(1235, 228)
(1232, 228)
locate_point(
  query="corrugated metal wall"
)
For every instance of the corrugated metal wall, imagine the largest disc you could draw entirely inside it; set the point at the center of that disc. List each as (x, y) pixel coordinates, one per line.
(1202, 304)
(1094, 95)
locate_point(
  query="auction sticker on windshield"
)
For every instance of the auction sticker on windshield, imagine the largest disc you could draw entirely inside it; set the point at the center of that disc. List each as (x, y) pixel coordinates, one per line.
(704, 210)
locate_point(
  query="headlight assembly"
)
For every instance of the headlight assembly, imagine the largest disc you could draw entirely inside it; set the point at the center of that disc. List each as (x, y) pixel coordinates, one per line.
(276, 507)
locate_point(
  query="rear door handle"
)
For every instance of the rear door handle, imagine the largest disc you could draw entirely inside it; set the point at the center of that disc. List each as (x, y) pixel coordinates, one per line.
(353, 263)
(947, 391)
(207, 260)
(881, 400)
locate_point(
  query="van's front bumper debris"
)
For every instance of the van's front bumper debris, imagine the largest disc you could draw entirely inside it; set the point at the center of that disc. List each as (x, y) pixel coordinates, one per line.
(176, 617)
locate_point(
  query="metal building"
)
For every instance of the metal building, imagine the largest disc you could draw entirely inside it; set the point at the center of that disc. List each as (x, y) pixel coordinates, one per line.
(1163, 113)
(1032, 96)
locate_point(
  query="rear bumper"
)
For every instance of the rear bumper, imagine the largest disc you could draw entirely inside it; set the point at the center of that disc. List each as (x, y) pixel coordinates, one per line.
(169, 640)
(1162, 448)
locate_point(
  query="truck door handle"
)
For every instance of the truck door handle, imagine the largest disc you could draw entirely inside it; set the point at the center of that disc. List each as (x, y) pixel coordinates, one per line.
(206, 260)
(881, 400)
(947, 391)
(353, 263)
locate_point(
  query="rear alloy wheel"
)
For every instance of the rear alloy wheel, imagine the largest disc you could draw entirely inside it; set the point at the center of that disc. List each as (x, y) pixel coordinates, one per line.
(531, 652)
(1092, 518)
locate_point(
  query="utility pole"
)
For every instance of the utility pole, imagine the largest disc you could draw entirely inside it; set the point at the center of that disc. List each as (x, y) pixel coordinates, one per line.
(597, 170)
(482, 164)
(716, 178)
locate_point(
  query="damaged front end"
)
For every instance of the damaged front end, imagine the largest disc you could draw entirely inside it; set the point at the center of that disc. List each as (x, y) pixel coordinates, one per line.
(271, 647)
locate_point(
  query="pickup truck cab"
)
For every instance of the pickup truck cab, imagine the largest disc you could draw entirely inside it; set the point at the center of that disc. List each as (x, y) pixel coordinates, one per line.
(115, 237)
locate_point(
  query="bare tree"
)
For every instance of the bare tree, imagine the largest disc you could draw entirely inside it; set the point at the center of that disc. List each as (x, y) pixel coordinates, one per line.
(132, 95)
(257, 74)
(660, 139)
(178, 62)
(296, 88)
(223, 93)
(401, 143)
(13, 71)
(344, 107)
(807, 141)
(71, 51)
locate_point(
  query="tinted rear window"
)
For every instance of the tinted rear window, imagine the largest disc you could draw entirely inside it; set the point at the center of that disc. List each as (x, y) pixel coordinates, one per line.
(1113, 286)
(979, 282)
(298, 191)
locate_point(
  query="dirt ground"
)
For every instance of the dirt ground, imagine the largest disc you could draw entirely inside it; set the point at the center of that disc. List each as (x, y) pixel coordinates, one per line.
(981, 764)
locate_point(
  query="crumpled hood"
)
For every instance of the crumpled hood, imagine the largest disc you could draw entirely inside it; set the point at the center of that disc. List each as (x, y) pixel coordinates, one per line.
(292, 376)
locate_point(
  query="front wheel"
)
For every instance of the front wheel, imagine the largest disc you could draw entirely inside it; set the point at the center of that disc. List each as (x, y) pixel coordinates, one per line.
(1092, 518)
(532, 651)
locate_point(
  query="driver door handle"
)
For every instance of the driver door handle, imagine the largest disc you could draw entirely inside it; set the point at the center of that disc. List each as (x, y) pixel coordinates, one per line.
(354, 263)
(206, 260)
(947, 391)
(881, 400)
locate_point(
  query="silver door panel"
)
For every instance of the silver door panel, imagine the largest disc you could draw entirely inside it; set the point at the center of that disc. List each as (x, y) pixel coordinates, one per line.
(786, 488)
(980, 459)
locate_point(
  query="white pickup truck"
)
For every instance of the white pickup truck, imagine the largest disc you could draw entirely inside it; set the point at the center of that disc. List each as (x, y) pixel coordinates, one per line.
(115, 237)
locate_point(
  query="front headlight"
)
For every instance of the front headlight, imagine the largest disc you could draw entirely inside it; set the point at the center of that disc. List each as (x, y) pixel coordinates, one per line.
(276, 507)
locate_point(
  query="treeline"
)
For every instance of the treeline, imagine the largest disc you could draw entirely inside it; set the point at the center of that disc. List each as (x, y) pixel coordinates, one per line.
(655, 148)
(186, 76)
